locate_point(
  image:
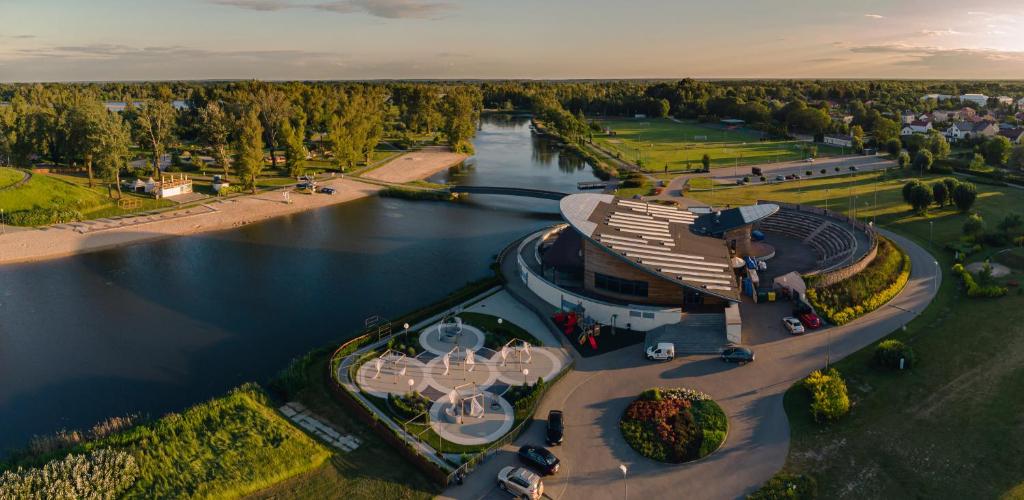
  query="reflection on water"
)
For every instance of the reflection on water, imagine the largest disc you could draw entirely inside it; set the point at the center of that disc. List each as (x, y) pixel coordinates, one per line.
(155, 327)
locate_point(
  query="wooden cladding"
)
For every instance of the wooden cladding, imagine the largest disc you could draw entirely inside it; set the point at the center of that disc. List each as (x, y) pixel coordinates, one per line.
(659, 291)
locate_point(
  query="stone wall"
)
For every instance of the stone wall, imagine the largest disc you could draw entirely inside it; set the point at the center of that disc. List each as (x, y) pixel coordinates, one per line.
(826, 277)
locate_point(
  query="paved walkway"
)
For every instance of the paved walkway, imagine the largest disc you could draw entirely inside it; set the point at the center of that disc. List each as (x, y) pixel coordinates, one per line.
(596, 393)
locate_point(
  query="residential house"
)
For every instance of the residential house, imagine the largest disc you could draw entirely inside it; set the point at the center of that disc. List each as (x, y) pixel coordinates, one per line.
(1015, 135)
(979, 99)
(916, 127)
(1005, 100)
(1020, 102)
(967, 130)
(936, 97)
(942, 115)
(906, 117)
(842, 141)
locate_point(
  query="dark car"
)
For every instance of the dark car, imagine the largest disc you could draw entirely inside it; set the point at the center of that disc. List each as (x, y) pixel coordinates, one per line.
(539, 458)
(556, 428)
(739, 355)
(303, 185)
(327, 190)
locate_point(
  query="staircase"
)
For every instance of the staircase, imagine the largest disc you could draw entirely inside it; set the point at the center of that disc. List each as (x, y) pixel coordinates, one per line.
(694, 334)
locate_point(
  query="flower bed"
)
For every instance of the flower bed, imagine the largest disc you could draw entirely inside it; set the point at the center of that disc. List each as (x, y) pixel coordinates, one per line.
(870, 289)
(674, 425)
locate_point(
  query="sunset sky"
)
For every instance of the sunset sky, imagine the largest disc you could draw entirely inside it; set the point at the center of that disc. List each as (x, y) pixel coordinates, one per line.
(62, 40)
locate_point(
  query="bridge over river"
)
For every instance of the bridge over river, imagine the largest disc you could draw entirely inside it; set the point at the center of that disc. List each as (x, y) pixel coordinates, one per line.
(509, 191)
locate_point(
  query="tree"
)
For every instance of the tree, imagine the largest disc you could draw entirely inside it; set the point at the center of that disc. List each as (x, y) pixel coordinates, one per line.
(974, 226)
(1010, 223)
(908, 188)
(1016, 159)
(154, 123)
(937, 144)
(294, 149)
(356, 126)
(996, 150)
(964, 195)
(978, 163)
(111, 148)
(940, 193)
(215, 126)
(82, 139)
(706, 162)
(274, 109)
(920, 198)
(829, 398)
(903, 160)
(886, 129)
(249, 150)
(461, 113)
(893, 146)
(923, 161)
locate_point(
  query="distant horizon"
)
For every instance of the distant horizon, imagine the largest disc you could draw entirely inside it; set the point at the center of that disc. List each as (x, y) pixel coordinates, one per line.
(368, 40)
(498, 79)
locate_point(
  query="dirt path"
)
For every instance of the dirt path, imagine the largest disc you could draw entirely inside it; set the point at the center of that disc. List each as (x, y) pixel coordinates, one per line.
(416, 165)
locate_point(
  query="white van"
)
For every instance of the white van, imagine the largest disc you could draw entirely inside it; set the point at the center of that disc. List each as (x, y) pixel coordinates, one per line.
(662, 351)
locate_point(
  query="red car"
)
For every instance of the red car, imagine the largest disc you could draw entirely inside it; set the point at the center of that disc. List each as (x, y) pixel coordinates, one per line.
(810, 320)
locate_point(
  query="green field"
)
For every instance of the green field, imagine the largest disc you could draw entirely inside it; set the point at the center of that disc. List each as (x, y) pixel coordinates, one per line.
(53, 190)
(948, 428)
(661, 142)
(9, 176)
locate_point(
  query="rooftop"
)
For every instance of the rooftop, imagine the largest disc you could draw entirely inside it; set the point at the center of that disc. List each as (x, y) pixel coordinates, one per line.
(656, 239)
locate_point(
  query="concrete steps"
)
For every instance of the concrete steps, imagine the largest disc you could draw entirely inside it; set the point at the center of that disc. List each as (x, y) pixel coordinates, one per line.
(694, 334)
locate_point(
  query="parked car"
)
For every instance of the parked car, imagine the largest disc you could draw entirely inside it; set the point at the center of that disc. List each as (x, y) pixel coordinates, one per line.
(808, 318)
(327, 190)
(737, 354)
(539, 458)
(809, 160)
(664, 351)
(779, 178)
(853, 168)
(556, 428)
(740, 182)
(520, 482)
(793, 325)
(303, 185)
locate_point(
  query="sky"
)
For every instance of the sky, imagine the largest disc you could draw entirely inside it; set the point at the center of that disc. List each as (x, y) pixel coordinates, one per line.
(103, 40)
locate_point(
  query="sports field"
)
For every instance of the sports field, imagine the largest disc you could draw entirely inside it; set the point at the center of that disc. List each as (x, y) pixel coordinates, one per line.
(657, 143)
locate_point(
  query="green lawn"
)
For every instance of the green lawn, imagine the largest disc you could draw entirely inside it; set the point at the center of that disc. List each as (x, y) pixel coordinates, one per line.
(948, 428)
(660, 142)
(9, 176)
(53, 190)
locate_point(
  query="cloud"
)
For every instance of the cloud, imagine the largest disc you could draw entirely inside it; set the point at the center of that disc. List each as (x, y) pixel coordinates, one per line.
(823, 60)
(944, 32)
(915, 61)
(389, 9)
(874, 16)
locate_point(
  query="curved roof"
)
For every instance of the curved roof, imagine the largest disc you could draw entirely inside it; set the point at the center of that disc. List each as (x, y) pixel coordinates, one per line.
(654, 238)
(717, 223)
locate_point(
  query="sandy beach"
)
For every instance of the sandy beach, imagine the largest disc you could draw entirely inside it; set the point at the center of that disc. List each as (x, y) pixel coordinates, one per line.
(24, 245)
(416, 165)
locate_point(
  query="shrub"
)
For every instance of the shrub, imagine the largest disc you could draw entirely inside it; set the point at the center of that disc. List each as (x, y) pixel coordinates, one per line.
(974, 290)
(888, 354)
(653, 394)
(829, 399)
(866, 291)
(787, 486)
(823, 171)
(103, 473)
(973, 226)
(43, 216)
(410, 405)
(808, 173)
(963, 196)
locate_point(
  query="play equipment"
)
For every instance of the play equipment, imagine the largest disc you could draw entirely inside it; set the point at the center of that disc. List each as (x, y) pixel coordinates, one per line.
(517, 349)
(465, 400)
(450, 328)
(395, 360)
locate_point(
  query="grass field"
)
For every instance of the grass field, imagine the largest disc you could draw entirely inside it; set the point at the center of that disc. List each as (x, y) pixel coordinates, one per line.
(51, 190)
(227, 447)
(661, 142)
(951, 426)
(9, 176)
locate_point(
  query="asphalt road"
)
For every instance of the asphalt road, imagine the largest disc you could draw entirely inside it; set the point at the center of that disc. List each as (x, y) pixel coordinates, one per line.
(594, 396)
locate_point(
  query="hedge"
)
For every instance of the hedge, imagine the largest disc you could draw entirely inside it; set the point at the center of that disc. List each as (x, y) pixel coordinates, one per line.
(870, 289)
(829, 399)
(787, 486)
(974, 290)
(888, 354)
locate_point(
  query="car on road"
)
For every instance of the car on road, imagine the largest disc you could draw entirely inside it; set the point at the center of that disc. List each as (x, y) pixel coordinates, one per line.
(741, 355)
(779, 178)
(539, 459)
(809, 160)
(556, 428)
(793, 325)
(327, 190)
(808, 318)
(853, 168)
(303, 185)
(520, 482)
(664, 351)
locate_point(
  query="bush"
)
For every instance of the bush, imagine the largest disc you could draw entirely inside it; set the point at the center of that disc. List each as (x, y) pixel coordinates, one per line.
(888, 354)
(963, 196)
(653, 394)
(103, 473)
(409, 405)
(974, 290)
(787, 486)
(43, 216)
(866, 291)
(829, 399)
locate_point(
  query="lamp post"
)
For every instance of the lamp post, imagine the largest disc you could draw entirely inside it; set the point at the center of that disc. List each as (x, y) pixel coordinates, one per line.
(931, 225)
(625, 488)
(935, 278)
(526, 372)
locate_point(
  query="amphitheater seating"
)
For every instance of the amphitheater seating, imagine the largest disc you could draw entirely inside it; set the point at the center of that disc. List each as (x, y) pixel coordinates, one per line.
(831, 241)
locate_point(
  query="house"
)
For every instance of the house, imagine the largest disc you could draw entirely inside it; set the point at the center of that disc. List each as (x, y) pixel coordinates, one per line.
(1015, 135)
(168, 186)
(967, 130)
(941, 115)
(906, 117)
(1005, 100)
(979, 99)
(916, 127)
(843, 141)
(1020, 102)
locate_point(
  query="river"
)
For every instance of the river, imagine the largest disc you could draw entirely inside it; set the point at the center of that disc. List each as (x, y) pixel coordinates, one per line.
(155, 327)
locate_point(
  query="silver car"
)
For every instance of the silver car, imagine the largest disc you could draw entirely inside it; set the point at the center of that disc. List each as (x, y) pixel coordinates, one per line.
(521, 483)
(794, 325)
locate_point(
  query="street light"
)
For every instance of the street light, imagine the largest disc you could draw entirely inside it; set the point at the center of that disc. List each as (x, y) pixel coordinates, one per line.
(625, 490)
(931, 224)
(526, 372)
(935, 278)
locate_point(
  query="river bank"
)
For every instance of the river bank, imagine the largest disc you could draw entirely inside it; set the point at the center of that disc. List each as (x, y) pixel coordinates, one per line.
(416, 165)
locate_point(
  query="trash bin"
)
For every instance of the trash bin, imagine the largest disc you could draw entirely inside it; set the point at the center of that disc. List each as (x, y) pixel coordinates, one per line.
(771, 296)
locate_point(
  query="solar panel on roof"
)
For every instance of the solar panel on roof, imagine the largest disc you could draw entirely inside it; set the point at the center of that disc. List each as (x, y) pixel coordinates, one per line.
(695, 278)
(698, 263)
(698, 273)
(637, 241)
(663, 227)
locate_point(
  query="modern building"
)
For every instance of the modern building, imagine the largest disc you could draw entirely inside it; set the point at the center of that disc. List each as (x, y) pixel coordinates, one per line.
(967, 130)
(979, 99)
(639, 265)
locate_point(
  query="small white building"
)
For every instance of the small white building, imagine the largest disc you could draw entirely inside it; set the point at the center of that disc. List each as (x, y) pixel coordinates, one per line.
(940, 115)
(169, 186)
(1005, 100)
(916, 127)
(842, 141)
(967, 130)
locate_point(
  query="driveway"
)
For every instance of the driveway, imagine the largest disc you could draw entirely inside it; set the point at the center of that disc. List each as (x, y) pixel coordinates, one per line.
(598, 391)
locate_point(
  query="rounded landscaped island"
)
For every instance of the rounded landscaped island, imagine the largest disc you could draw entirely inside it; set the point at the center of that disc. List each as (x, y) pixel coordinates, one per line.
(674, 425)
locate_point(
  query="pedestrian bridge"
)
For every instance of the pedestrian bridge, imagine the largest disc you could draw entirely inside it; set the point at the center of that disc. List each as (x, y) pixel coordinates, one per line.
(509, 191)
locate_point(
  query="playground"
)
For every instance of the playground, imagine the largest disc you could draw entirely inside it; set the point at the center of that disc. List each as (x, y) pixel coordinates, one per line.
(469, 389)
(659, 142)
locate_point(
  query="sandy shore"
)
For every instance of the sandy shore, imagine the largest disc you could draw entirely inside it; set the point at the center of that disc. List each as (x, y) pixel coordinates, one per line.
(23, 245)
(416, 165)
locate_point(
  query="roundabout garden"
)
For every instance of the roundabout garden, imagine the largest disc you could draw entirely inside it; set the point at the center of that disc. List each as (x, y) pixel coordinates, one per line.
(674, 425)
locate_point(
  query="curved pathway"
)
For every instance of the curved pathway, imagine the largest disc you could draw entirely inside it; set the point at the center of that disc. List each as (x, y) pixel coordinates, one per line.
(25, 176)
(598, 391)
